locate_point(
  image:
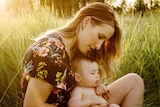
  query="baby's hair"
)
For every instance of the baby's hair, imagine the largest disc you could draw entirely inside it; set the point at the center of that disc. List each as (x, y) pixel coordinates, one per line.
(76, 62)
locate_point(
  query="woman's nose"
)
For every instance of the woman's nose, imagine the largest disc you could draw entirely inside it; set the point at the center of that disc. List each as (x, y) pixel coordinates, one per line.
(99, 44)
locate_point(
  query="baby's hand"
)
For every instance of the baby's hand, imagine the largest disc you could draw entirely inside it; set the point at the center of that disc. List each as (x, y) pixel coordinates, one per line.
(106, 95)
(101, 89)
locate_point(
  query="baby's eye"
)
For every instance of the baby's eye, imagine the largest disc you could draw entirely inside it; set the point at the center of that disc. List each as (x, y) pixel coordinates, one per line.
(92, 73)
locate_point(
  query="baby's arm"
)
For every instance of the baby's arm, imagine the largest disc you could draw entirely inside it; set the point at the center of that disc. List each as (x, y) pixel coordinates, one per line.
(76, 99)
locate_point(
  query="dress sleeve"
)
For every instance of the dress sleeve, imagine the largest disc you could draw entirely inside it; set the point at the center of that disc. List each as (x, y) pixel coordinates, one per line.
(45, 68)
(44, 60)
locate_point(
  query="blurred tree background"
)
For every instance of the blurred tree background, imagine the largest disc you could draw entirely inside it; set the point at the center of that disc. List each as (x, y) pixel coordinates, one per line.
(67, 8)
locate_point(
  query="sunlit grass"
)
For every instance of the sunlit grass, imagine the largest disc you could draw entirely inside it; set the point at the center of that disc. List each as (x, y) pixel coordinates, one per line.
(16, 34)
(142, 53)
(141, 50)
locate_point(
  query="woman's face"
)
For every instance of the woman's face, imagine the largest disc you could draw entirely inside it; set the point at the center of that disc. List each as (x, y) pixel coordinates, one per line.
(92, 36)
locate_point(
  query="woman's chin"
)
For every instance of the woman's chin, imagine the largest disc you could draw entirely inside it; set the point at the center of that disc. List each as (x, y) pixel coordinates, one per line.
(83, 52)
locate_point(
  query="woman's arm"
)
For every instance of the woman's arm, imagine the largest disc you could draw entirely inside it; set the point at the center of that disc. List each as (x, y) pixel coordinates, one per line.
(37, 93)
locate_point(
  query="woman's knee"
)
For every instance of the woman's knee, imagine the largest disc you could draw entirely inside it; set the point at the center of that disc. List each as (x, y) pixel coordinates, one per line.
(136, 80)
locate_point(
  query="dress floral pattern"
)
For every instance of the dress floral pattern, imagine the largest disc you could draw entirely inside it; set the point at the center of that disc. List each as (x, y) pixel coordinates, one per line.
(47, 59)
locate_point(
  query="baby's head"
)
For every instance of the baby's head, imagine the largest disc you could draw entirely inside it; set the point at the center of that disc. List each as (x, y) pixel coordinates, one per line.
(86, 72)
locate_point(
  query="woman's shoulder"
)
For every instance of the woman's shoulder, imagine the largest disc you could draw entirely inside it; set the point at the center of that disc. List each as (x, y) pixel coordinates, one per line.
(49, 42)
(49, 36)
(48, 45)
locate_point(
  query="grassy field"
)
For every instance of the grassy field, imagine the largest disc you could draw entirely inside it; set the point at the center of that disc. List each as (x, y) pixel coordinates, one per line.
(142, 53)
(141, 44)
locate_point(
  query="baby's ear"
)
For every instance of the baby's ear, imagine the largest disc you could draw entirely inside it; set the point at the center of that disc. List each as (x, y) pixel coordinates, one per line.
(77, 77)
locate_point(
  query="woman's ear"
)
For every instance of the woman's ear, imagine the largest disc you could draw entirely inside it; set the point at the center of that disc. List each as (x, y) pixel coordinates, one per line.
(86, 20)
(77, 77)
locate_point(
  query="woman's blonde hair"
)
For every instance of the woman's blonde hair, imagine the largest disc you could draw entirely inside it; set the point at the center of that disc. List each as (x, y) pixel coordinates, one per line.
(100, 13)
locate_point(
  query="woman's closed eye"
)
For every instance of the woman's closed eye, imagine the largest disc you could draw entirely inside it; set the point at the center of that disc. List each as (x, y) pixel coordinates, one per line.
(101, 36)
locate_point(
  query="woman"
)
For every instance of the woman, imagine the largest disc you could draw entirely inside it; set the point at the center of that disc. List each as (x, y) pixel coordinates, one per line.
(47, 78)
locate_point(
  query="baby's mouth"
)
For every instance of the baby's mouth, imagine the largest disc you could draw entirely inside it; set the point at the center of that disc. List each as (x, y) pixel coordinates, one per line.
(97, 82)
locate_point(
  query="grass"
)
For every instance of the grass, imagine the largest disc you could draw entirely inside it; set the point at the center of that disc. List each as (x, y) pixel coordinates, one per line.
(141, 51)
(142, 54)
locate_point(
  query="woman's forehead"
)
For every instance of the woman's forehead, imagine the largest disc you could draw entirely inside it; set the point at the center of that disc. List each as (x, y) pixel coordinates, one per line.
(107, 30)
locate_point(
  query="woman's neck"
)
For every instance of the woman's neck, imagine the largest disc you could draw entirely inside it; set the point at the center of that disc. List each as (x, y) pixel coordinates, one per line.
(69, 44)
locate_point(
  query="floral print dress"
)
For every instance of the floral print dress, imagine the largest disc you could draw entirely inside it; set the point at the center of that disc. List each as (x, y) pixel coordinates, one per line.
(47, 59)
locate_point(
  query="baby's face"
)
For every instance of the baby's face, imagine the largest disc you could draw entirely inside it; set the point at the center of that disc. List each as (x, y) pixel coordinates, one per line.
(89, 73)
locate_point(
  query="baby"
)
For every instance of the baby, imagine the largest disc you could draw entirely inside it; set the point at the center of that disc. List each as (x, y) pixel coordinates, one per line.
(87, 79)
